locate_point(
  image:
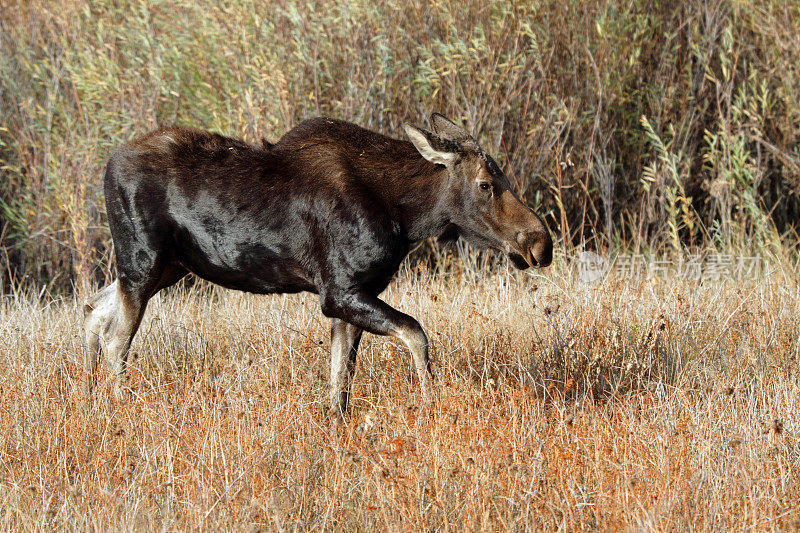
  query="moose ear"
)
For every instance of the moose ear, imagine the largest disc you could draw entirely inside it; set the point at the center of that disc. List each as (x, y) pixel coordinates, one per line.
(430, 145)
(447, 129)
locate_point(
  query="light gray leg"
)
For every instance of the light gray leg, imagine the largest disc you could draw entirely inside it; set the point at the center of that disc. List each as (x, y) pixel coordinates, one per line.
(344, 346)
(417, 343)
(111, 319)
(369, 312)
(97, 313)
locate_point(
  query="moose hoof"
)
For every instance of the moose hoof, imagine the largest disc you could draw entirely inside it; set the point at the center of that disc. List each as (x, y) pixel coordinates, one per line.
(121, 392)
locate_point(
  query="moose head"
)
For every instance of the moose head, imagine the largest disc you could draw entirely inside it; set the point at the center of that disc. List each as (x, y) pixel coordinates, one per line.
(484, 208)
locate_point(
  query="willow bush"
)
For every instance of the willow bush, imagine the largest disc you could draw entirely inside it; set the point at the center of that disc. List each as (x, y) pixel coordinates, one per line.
(636, 124)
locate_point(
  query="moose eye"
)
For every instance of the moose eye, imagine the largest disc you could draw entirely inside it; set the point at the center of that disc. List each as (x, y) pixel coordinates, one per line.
(485, 186)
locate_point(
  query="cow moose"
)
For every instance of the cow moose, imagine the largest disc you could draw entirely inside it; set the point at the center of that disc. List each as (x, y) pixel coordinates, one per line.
(331, 208)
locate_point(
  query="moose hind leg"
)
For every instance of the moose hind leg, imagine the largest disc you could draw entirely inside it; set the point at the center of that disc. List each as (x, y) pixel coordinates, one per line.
(112, 318)
(97, 312)
(344, 346)
(117, 340)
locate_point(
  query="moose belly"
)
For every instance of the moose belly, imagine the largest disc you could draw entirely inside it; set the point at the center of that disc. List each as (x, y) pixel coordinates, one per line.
(248, 267)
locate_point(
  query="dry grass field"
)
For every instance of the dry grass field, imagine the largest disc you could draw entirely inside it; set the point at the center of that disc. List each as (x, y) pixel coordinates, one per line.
(636, 404)
(662, 404)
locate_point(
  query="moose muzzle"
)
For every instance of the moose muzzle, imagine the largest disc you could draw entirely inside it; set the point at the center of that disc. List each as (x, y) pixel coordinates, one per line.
(536, 248)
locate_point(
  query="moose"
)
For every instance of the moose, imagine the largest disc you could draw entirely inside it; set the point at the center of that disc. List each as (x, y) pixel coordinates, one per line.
(331, 208)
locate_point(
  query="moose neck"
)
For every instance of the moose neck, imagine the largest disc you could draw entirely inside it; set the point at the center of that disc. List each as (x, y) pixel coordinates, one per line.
(417, 190)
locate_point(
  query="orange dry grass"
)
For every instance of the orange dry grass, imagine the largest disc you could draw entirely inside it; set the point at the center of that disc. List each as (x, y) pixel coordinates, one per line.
(650, 405)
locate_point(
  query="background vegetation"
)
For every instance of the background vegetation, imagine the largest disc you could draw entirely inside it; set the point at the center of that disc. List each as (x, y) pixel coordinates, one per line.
(635, 126)
(658, 124)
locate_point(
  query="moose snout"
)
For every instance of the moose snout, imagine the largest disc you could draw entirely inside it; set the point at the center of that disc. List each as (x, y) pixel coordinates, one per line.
(542, 250)
(537, 248)
(528, 243)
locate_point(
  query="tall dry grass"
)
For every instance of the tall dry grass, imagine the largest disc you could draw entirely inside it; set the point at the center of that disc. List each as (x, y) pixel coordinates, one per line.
(625, 404)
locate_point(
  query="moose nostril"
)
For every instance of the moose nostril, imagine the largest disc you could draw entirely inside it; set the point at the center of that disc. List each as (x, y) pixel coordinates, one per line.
(545, 253)
(534, 259)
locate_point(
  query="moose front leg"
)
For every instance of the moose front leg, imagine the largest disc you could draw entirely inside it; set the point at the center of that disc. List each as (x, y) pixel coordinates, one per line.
(413, 336)
(369, 313)
(344, 346)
